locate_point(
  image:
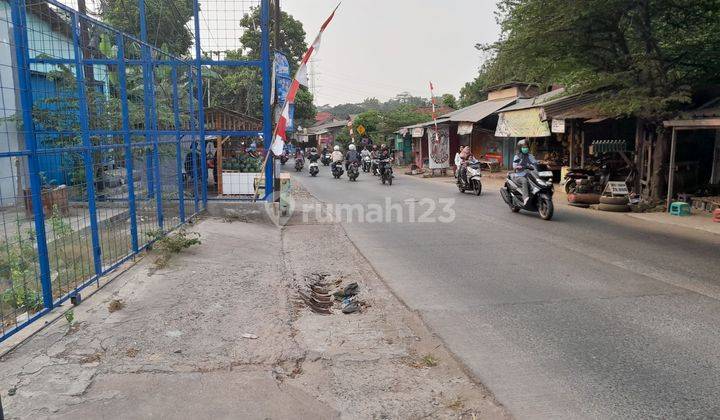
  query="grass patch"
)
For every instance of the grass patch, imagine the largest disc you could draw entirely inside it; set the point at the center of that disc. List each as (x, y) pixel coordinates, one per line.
(172, 244)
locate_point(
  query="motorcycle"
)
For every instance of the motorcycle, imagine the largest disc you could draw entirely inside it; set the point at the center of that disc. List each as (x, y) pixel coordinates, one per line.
(471, 180)
(284, 158)
(366, 164)
(575, 176)
(541, 191)
(325, 159)
(314, 168)
(353, 171)
(299, 164)
(337, 170)
(387, 173)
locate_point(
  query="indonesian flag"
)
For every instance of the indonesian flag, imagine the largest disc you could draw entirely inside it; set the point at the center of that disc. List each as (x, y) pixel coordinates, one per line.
(301, 78)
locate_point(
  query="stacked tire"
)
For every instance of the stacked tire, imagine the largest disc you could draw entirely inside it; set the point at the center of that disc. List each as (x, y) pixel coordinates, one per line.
(583, 200)
(614, 204)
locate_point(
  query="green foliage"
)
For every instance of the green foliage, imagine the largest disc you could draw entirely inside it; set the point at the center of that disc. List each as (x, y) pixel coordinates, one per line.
(174, 243)
(449, 100)
(292, 37)
(652, 53)
(240, 89)
(166, 22)
(18, 266)
(403, 99)
(380, 125)
(60, 227)
(70, 317)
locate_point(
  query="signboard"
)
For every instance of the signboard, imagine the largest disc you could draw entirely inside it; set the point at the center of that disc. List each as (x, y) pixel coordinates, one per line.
(439, 147)
(418, 132)
(361, 130)
(616, 189)
(558, 126)
(522, 123)
(281, 73)
(464, 128)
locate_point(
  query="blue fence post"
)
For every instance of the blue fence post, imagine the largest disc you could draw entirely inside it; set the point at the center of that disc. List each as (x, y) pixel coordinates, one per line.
(122, 80)
(201, 103)
(178, 148)
(267, 91)
(87, 144)
(150, 116)
(193, 146)
(22, 56)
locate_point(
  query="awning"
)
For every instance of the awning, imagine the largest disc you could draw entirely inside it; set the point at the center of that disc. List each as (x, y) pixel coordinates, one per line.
(465, 128)
(477, 112)
(522, 123)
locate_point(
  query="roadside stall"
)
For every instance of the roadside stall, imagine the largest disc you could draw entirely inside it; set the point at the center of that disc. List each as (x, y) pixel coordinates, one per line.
(694, 178)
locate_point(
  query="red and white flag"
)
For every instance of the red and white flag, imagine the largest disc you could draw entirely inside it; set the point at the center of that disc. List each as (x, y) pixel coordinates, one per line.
(301, 78)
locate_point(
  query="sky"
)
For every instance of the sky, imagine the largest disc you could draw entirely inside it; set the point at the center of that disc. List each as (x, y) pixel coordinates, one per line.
(378, 48)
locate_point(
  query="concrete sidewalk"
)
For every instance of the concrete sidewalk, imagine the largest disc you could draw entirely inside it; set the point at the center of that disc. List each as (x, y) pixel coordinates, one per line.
(179, 346)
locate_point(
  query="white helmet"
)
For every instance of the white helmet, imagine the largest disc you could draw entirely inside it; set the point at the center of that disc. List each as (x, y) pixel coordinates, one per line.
(352, 147)
(336, 148)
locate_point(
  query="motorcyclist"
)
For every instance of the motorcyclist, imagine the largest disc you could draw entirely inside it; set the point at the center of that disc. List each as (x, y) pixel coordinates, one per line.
(352, 156)
(313, 156)
(299, 154)
(384, 158)
(336, 157)
(522, 161)
(364, 153)
(374, 156)
(458, 162)
(465, 156)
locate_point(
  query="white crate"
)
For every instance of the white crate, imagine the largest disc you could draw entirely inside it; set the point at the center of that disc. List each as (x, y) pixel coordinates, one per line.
(237, 183)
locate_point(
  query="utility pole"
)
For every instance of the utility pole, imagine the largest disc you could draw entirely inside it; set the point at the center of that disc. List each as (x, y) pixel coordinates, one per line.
(278, 16)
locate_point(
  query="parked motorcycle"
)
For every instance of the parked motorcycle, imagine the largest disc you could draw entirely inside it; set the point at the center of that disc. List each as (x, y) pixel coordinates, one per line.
(471, 180)
(387, 172)
(284, 158)
(575, 176)
(541, 192)
(314, 168)
(366, 164)
(337, 170)
(353, 171)
(299, 164)
(325, 159)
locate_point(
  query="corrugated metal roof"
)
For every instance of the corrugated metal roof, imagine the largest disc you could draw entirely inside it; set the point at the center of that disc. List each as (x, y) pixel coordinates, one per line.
(478, 111)
(534, 102)
(425, 124)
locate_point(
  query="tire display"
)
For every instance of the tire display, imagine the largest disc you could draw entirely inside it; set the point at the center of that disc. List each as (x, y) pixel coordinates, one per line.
(617, 201)
(615, 208)
(584, 198)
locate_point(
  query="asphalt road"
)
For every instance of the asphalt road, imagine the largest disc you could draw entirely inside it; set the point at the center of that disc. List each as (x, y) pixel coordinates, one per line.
(590, 315)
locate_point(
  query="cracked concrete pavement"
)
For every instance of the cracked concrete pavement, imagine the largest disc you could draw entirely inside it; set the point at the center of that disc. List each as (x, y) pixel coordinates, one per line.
(176, 348)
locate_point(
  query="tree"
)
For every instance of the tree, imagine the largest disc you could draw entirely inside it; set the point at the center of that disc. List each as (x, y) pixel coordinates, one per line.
(449, 100)
(651, 54)
(166, 22)
(241, 88)
(292, 37)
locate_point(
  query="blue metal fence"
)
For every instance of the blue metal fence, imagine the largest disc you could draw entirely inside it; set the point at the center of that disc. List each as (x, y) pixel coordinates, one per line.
(102, 146)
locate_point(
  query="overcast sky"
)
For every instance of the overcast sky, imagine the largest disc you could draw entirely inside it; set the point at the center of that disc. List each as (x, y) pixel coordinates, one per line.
(378, 48)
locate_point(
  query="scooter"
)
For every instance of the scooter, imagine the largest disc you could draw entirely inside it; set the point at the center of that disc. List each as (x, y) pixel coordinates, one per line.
(325, 159)
(353, 171)
(299, 164)
(541, 191)
(314, 168)
(366, 164)
(337, 170)
(387, 174)
(471, 180)
(284, 158)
